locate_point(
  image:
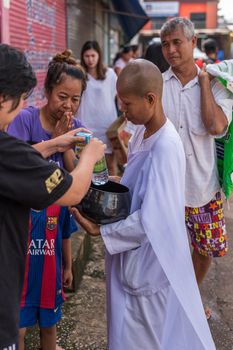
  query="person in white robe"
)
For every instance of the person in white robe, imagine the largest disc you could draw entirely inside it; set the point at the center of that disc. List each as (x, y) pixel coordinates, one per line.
(153, 301)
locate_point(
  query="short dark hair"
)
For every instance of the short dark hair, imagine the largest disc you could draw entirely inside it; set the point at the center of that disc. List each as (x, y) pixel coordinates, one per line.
(134, 47)
(16, 75)
(126, 49)
(100, 69)
(210, 45)
(154, 54)
(64, 63)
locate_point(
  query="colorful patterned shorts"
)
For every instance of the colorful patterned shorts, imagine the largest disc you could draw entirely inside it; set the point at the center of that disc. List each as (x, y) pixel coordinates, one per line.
(206, 226)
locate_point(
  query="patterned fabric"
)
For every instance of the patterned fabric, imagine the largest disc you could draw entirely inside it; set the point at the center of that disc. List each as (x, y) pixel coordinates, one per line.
(206, 226)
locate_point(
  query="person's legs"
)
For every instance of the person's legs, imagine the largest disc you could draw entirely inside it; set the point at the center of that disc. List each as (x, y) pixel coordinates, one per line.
(48, 338)
(27, 318)
(22, 333)
(48, 318)
(206, 226)
(201, 265)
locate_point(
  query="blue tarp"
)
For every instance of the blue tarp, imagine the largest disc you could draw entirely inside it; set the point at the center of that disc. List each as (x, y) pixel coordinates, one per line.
(131, 16)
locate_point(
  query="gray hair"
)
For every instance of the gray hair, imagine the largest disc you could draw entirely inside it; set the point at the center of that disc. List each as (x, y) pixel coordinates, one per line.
(172, 24)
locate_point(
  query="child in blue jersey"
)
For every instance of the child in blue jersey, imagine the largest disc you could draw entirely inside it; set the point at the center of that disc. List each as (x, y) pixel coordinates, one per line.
(49, 248)
(48, 269)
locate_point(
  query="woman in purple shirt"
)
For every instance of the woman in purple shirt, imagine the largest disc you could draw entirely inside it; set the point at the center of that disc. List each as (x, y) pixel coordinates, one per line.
(64, 85)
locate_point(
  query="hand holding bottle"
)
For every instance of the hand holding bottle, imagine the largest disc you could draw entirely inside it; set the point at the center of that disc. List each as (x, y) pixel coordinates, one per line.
(93, 151)
(100, 170)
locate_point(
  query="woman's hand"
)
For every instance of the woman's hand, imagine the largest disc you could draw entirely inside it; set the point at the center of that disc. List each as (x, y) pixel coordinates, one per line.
(115, 178)
(64, 124)
(91, 228)
(68, 140)
(60, 143)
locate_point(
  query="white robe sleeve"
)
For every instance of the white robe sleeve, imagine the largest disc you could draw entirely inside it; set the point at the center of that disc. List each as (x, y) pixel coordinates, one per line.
(124, 235)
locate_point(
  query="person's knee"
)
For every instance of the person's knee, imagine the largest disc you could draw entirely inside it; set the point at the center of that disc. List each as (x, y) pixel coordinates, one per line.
(22, 333)
(48, 331)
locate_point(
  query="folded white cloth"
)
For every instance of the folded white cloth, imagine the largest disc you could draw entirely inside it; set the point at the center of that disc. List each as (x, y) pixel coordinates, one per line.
(223, 70)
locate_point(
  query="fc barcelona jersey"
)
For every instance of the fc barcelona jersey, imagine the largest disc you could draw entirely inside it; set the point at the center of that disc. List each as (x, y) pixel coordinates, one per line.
(43, 275)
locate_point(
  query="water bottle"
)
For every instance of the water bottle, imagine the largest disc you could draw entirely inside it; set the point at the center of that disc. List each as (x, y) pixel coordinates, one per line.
(100, 171)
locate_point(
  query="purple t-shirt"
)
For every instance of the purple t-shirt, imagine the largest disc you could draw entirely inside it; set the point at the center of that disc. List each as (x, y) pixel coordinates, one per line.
(27, 127)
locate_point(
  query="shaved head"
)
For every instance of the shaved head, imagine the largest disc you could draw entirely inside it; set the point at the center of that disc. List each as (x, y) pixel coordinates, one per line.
(140, 77)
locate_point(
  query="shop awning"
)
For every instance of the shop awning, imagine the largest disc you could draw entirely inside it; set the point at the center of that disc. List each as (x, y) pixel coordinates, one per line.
(131, 16)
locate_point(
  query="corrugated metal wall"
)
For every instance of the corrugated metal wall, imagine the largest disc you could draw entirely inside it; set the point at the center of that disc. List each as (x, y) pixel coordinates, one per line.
(87, 20)
(80, 20)
(39, 28)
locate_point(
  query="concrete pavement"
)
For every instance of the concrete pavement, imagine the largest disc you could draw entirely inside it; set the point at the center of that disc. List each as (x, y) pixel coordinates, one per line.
(217, 292)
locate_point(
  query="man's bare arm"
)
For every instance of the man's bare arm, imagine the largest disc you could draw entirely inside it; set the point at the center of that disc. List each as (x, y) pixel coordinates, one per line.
(213, 116)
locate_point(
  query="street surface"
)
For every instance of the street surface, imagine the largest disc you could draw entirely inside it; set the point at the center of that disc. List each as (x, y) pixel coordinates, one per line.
(84, 323)
(217, 292)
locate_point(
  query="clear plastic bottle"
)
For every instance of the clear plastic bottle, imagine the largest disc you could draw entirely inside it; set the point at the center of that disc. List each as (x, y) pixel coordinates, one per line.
(100, 171)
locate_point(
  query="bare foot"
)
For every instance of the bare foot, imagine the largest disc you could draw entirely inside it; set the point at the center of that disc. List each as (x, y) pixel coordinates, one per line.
(58, 347)
(208, 312)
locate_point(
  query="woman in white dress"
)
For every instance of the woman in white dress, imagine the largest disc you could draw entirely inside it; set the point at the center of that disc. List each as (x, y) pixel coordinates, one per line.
(97, 110)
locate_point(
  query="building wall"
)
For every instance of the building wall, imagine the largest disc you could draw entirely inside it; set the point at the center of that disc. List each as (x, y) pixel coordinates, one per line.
(187, 8)
(87, 20)
(212, 14)
(209, 8)
(201, 12)
(80, 23)
(38, 27)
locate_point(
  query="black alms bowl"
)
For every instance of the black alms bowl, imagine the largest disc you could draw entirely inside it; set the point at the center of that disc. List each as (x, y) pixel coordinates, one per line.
(105, 204)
